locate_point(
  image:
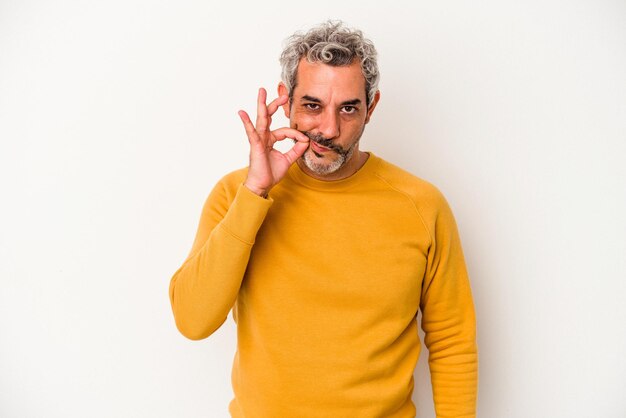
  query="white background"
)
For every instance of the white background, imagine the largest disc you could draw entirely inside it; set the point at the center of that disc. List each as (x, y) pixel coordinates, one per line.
(117, 118)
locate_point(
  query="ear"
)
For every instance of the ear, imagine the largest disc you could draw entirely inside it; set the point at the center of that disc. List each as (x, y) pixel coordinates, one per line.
(282, 91)
(370, 110)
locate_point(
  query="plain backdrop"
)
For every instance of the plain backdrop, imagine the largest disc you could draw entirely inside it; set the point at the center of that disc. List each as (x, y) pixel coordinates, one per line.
(117, 118)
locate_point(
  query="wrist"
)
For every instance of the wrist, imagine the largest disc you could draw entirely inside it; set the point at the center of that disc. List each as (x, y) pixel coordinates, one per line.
(256, 190)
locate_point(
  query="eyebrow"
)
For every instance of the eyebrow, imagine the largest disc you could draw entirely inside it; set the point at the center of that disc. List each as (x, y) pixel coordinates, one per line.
(344, 103)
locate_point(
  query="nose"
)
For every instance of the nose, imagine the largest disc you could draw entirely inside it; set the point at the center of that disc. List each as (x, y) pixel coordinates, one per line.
(329, 124)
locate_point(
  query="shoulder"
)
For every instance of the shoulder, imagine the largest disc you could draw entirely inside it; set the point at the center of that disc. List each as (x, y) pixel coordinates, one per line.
(424, 194)
(429, 202)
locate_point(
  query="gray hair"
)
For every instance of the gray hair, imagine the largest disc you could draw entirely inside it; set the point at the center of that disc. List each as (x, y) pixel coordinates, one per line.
(333, 44)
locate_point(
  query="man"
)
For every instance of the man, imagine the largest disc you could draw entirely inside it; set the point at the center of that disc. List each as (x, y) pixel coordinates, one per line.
(325, 254)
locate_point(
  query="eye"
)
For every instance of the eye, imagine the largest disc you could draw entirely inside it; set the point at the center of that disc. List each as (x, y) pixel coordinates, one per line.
(311, 106)
(349, 109)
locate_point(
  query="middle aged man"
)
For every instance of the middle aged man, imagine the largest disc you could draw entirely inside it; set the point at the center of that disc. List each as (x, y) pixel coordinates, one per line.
(326, 253)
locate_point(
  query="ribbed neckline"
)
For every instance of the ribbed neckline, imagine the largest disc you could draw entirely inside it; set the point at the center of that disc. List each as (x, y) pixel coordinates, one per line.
(299, 176)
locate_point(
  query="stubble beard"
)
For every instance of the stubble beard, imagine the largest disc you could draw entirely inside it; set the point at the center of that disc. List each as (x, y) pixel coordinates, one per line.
(311, 158)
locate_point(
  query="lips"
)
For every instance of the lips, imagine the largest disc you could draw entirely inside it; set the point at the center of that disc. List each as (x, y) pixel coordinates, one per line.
(318, 148)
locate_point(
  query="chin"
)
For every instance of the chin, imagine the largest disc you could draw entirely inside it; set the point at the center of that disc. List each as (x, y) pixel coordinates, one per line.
(322, 166)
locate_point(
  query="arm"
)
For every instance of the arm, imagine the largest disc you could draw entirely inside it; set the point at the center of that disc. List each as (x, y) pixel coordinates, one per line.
(448, 320)
(205, 287)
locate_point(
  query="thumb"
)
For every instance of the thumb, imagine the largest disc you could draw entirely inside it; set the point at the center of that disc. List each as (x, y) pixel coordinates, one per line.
(296, 151)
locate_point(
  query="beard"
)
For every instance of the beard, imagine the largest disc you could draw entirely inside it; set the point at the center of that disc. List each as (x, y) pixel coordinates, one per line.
(314, 161)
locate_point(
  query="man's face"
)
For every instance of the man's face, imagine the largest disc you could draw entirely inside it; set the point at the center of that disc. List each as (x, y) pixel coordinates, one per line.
(329, 106)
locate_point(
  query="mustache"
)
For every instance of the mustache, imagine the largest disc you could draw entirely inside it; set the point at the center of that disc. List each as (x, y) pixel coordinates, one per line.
(325, 142)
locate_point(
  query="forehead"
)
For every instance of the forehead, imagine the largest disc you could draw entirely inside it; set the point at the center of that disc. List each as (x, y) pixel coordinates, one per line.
(325, 81)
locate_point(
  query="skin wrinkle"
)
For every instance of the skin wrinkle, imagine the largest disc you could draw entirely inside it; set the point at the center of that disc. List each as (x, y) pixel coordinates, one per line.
(333, 45)
(326, 105)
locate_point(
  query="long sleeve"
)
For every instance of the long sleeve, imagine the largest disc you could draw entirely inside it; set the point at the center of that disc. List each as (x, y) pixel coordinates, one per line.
(203, 290)
(448, 319)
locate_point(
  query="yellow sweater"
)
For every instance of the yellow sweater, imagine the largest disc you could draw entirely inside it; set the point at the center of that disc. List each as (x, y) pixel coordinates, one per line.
(325, 280)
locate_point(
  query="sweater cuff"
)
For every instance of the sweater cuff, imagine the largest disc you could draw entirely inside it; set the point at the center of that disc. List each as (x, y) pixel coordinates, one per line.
(246, 214)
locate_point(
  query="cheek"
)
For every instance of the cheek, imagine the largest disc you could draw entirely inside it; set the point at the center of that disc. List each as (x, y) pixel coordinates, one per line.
(353, 127)
(303, 121)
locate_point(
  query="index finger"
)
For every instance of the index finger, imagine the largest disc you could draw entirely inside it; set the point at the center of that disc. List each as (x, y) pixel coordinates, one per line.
(282, 133)
(247, 123)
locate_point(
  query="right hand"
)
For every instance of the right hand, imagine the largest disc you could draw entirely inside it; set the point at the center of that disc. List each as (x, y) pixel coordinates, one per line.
(267, 165)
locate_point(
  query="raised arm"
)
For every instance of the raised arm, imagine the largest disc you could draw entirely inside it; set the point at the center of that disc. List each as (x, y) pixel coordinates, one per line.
(448, 319)
(203, 290)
